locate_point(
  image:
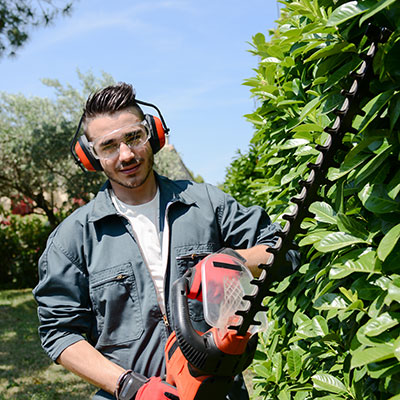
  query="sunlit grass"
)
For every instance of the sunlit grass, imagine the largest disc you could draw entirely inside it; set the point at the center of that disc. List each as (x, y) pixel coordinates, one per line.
(26, 372)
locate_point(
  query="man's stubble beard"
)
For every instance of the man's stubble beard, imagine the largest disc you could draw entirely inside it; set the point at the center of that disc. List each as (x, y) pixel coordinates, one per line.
(133, 185)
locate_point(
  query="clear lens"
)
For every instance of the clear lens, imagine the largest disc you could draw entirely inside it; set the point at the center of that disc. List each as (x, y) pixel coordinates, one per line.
(108, 146)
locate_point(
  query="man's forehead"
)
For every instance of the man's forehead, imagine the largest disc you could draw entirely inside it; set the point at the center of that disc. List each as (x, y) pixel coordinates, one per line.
(121, 131)
(108, 123)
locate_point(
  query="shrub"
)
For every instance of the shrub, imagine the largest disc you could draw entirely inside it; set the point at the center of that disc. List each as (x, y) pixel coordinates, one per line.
(22, 241)
(335, 323)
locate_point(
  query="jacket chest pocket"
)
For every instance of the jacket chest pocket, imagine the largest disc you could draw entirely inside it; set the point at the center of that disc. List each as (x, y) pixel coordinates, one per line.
(116, 303)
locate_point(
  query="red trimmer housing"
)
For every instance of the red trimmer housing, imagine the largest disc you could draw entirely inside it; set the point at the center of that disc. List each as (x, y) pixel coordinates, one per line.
(197, 360)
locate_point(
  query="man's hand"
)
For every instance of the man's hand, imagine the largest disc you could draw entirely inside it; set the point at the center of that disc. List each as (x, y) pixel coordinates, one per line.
(133, 386)
(156, 389)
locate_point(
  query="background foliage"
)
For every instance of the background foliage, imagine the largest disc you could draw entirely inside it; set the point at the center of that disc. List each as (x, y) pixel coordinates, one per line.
(334, 324)
(17, 17)
(35, 136)
(22, 241)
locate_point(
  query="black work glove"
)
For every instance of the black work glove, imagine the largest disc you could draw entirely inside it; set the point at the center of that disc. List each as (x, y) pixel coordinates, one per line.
(134, 386)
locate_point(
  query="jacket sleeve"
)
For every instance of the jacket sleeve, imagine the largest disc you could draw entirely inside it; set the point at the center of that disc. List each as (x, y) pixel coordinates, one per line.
(62, 295)
(243, 227)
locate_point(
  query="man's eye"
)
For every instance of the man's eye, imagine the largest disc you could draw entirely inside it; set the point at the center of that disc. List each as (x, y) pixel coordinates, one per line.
(133, 137)
(108, 148)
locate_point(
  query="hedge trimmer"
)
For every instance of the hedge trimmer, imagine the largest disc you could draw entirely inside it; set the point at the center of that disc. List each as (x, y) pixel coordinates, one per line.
(202, 365)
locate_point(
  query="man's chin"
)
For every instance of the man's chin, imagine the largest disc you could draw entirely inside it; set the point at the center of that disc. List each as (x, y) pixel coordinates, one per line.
(130, 183)
(127, 184)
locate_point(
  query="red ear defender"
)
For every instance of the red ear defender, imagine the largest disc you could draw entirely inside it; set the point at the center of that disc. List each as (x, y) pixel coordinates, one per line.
(85, 156)
(80, 150)
(157, 133)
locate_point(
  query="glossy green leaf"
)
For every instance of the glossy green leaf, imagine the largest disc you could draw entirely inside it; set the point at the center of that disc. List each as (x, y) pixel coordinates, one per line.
(393, 292)
(311, 106)
(383, 322)
(384, 368)
(335, 241)
(340, 73)
(396, 350)
(330, 301)
(376, 199)
(373, 107)
(375, 9)
(331, 50)
(394, 110)
(358, 260)
(373, 165)
(352, 226)
(308, 128)
(345, 12)
(328, 382)
(259, 39)
(320, 325)
(347, 166)
(293, 174)
(372, 341)
(262, 370)
(388, 242)
(369, 137)
(313, 237)
(294, 363)
(277, 366)
(305, 330)
(323, 212)
(292, 143)
(393, 186)
(364, 356)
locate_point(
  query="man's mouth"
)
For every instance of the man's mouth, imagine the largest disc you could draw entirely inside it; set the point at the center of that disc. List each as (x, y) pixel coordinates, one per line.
(130, 169)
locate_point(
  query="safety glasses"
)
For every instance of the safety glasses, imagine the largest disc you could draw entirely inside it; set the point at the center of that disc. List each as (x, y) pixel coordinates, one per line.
(108, 146)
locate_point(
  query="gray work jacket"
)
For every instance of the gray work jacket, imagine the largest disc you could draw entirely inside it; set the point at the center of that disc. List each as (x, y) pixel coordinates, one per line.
(94, 284)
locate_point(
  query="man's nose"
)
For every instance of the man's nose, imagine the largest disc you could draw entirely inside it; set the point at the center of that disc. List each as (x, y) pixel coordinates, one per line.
(125, 151)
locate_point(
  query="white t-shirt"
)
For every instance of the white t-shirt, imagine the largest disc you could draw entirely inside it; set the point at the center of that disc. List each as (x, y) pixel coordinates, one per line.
(145, 222)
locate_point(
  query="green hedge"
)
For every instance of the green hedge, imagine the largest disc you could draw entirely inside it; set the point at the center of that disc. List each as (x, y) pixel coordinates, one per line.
(22, 241)
(335, 323)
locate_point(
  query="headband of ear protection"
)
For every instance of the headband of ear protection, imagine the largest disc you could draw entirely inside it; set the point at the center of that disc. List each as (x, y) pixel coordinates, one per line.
(83, 156)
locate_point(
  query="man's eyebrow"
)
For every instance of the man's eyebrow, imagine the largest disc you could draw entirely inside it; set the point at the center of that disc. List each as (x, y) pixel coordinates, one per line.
(107, 142)
(133, 132)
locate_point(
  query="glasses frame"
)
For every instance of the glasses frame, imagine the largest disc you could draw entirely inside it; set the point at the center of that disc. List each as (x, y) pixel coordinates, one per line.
(141, 123)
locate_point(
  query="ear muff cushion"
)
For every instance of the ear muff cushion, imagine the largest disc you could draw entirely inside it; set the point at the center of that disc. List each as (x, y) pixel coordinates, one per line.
(85, 156)
(157, 133)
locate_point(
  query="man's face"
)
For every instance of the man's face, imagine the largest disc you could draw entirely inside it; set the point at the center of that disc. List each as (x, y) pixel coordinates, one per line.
(130, 168)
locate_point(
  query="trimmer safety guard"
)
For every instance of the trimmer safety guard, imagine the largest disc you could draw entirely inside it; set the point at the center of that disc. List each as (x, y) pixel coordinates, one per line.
(208, 352)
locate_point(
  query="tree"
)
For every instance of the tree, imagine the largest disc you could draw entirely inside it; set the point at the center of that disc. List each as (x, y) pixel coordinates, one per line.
(35, 136)
(334, 324)
(18, 16)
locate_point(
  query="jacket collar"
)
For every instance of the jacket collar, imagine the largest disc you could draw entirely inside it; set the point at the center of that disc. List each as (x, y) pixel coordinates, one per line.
(170, 192)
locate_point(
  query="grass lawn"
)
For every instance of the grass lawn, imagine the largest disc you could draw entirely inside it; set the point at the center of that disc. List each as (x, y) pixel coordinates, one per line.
(26, 372)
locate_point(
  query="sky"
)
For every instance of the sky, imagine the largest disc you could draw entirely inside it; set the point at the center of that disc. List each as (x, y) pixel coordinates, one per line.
(188, 57)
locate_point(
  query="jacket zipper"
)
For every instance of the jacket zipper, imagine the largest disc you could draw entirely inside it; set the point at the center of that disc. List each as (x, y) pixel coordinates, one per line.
(165, 319)
(192, 256)
(118, 278)
(163, 249)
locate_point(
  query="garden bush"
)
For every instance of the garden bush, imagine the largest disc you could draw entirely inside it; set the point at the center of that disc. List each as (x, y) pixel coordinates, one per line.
(334, 324)
(22, 241)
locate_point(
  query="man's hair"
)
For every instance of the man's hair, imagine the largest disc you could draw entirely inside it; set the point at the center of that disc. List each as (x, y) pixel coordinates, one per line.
(111, 100)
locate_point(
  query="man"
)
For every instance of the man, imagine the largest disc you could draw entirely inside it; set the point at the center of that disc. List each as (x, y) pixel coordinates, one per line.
(105, 276)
